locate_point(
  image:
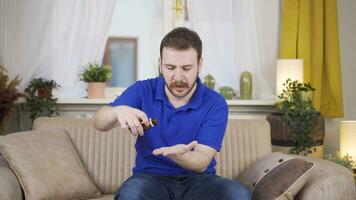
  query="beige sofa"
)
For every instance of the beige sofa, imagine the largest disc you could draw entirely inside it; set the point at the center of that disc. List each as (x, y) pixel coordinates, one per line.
(109, 157)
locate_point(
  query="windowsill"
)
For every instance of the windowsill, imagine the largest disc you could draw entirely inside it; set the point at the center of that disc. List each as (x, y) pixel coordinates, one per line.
(83, 107)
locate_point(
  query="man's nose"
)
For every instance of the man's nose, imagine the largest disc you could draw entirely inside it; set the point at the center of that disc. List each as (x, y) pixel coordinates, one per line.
(178, 74)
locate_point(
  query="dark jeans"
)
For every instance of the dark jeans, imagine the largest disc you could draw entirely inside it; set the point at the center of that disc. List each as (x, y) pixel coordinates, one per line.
(158, 187)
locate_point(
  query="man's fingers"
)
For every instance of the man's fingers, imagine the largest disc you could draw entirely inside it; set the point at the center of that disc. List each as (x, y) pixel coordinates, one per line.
(159, 151)
(143, 117)
(123, 123)
(176, 149)
(166, 151)
(191, 145)
(138, 126)
(132, 126)
(173, 151)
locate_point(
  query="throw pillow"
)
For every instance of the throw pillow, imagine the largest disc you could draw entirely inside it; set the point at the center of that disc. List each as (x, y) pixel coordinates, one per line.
(47, 165)
(276, 176)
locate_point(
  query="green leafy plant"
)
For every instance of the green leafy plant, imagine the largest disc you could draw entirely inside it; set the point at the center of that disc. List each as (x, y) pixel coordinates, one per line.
(300, 115)
(8, 95)
(40, 100)
(345, 161)
(95, 72)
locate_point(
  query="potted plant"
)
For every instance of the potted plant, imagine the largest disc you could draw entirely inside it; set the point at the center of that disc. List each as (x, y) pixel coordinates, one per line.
(345, 161)
(297, 124)
(39, 99)
(96, 75)
(8, 95)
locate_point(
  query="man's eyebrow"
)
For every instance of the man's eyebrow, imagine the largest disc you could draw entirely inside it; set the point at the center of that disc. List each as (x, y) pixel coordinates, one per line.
(170, 65)
(189, 65)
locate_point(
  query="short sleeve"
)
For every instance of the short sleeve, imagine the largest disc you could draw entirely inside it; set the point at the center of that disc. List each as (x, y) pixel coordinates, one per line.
(130, 97)
(212, 130)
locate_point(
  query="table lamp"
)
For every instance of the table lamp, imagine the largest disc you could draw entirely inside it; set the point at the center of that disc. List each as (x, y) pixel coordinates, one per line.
(288, 68)
(348, 139)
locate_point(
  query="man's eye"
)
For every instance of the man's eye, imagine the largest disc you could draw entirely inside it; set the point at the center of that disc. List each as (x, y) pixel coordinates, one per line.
(186, 68)
(170, 67)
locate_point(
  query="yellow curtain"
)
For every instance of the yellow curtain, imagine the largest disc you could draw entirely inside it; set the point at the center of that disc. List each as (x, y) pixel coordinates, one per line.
(310, 31)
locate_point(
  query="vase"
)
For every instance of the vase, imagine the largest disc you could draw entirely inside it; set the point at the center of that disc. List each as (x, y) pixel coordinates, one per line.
(96, 90)
(227, 92)
(209, 81)
(246, 85)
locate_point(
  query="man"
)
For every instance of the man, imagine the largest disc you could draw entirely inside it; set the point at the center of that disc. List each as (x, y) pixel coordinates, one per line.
(175, 158)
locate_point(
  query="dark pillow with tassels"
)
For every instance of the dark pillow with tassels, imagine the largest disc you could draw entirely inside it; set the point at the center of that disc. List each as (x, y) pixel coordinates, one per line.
(276, 176)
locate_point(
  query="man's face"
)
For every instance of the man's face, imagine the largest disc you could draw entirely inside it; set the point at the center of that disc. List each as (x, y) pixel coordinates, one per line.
(180, 69)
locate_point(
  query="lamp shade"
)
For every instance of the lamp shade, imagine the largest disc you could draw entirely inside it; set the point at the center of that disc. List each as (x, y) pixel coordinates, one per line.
(348, 138)
(288, 68)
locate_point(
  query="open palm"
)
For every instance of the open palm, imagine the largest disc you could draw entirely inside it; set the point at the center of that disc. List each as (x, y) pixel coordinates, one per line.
(175, 150)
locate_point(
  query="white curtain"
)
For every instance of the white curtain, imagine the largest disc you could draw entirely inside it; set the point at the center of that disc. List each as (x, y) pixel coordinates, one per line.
(238, 35)
(53, 39)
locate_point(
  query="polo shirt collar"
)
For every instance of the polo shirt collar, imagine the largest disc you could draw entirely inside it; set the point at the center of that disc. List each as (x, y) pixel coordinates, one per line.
(194, 102)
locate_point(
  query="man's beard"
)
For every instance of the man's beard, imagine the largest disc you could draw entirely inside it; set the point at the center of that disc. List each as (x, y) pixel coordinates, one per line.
(182, 85)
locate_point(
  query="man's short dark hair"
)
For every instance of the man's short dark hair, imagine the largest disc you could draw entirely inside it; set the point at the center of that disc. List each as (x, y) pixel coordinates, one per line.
(182, 38)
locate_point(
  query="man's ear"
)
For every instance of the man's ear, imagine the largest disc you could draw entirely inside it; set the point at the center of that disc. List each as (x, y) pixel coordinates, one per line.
(200, 64)
(159, 66)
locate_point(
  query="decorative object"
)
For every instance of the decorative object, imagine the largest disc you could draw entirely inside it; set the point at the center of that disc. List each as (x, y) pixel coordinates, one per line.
(348, 140)
(8, 94)
(246, 85)
(39, 98)
(276, 176)
(47, 165)
(121, 54)
(345, 161)
(179, 7)
(96, 75)
(227, 92)
(297, 120)
(288, 68)
(209, 81)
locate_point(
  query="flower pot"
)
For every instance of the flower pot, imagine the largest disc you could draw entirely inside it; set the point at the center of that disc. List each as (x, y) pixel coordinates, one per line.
(281, 135)
(1, 115)
(96, 90)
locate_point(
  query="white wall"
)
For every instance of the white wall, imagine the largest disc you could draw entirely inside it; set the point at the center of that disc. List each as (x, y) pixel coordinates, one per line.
(347, 32)
(141, 19)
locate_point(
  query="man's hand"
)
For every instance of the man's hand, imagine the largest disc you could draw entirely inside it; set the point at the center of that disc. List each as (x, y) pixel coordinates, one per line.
(193, 156)
(131, 119)
(108, 117)
(176, 150)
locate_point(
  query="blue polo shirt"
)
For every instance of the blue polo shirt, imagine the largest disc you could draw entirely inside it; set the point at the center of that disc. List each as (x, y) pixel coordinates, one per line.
(203, 119)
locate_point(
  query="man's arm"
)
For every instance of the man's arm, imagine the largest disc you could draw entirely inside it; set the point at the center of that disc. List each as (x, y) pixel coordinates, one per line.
(105, 118)
(196, 160)
(127, 117)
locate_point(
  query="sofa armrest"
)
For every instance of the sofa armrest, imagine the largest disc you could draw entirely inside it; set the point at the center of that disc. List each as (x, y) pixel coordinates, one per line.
(327, 181)
(10, 188)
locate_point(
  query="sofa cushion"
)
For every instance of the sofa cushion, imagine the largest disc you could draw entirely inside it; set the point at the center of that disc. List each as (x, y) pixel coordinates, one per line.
(10, 188)
(47, 165)
(276, 176)
(107, 156)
